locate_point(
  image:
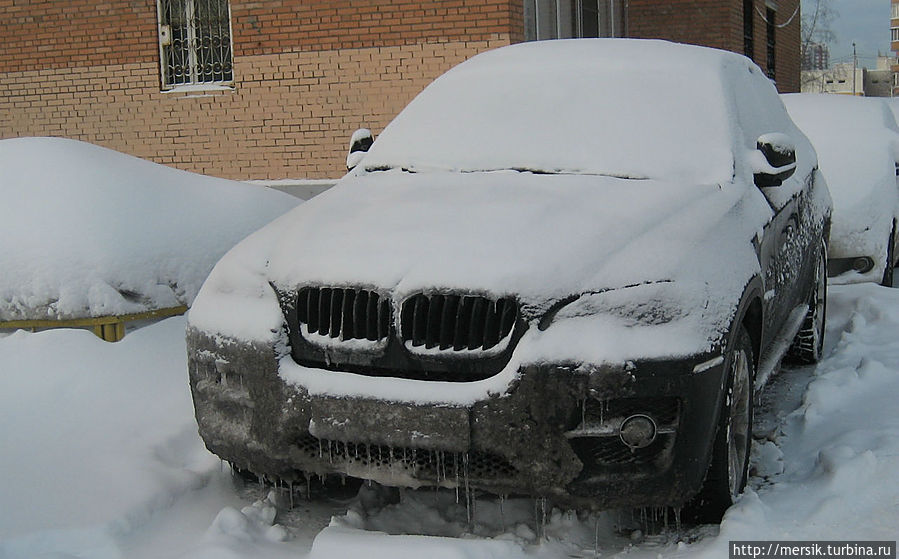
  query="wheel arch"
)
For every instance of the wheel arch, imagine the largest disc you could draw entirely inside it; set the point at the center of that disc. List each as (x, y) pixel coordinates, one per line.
(751, 315)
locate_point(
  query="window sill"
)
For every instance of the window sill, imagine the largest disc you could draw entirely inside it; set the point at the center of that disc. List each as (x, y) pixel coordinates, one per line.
(198, 90)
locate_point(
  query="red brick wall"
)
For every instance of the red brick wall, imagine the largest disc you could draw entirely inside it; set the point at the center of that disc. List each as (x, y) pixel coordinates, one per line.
(272, 26)
(719, 24)
(711, 23)
(306, 74)
(40, 34)
(788, 39)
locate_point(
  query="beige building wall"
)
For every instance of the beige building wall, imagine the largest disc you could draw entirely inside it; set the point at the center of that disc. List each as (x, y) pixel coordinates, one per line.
(288, 115)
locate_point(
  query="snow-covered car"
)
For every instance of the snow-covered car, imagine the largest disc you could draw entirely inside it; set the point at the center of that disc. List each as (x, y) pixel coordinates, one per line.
(857, 141)
(91, 232)
(549, 275)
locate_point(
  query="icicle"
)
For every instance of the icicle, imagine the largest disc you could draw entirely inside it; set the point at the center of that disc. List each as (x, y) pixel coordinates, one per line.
(291, 495)
(596, 535)
(502, 512)
(542, 518)
(320, 453)
(467, 487)
(456, 473)
(309, 487)
(330, 456)
(677, 525)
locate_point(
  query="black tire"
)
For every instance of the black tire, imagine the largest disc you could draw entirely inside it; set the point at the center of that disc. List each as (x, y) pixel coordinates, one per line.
(887, 280)
(729, 467)
(808, 344)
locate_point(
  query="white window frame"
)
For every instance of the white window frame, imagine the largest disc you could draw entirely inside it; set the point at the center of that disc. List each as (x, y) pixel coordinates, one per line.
(894, 13)
(193, 79)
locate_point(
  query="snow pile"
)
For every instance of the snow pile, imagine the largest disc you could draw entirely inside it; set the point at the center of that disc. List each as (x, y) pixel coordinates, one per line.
(96, 437)
(88, 231)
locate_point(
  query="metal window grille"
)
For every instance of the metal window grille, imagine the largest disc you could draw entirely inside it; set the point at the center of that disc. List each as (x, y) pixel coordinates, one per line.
(771, 31)
(195, 42)
(748, 28)
(559, 19)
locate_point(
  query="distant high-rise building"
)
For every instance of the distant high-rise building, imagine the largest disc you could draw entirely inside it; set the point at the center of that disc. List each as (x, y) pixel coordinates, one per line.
(894, 42)
(816, 56)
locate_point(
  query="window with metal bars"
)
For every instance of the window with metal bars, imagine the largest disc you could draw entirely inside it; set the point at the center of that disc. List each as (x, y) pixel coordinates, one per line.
(562, 19)
(195, 42)
(748, 28)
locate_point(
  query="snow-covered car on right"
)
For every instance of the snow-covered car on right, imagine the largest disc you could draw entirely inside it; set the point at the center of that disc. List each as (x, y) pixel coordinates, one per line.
(857, 141)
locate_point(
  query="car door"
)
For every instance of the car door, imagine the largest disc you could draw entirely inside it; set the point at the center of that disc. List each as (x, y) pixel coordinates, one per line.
(785, 247)
(786, 250)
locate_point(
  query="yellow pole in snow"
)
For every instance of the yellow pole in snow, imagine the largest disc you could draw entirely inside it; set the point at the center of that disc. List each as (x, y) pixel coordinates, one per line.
(109, 328)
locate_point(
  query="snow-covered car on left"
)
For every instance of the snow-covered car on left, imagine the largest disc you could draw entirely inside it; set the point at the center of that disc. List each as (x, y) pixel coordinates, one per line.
(88, 232)
(857, 141)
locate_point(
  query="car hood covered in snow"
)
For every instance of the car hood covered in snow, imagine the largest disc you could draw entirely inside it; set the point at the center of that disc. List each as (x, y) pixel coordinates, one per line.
(534, 236)
(636, 250)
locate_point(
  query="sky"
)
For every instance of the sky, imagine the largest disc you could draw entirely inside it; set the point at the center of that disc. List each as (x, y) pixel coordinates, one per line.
(865, 22)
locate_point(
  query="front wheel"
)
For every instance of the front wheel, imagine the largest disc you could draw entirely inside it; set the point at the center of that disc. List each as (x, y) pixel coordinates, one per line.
(887, 280)
(808, 344)
(729, 468)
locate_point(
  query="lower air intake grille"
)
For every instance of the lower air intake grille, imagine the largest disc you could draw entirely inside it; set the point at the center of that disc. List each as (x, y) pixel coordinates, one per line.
(344, 313)
(425, 465)
(456, 322)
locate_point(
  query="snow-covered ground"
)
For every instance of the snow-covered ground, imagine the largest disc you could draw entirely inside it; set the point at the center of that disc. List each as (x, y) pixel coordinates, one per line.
(99, 458)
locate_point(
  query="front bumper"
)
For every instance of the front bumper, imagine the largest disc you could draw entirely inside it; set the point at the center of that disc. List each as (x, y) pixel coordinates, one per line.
(554, 434)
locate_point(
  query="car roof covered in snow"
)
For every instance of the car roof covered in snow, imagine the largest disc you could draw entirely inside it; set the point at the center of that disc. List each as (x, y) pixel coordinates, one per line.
(856, 140)
(626, 108)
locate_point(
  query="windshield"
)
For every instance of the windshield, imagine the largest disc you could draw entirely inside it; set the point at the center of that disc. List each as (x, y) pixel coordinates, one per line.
(584, 106)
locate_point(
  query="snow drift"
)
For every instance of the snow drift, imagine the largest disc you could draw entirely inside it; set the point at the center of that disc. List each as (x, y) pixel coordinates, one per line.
(88, 231)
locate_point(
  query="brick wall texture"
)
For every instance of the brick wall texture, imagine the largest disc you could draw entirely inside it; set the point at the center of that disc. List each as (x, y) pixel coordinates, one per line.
(719, 24)
(306, 73)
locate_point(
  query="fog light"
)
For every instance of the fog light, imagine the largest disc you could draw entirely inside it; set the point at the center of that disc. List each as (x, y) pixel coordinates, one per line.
(862, 264)
(638, 431)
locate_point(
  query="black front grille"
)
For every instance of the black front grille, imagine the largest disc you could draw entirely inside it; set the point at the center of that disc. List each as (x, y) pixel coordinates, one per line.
(457, 322)
(608, 451)
(425, 465)
(344, 313)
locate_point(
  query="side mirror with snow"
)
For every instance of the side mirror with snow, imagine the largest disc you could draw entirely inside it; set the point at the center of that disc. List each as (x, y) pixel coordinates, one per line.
(774, 160)
(360, 142)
